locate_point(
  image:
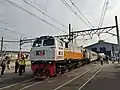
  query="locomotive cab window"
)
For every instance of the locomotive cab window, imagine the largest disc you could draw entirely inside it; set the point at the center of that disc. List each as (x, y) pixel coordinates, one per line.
(37, 43)
(66, 44)
(49, 42)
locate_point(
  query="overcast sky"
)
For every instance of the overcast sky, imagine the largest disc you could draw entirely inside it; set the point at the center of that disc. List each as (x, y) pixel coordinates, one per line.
(20, 21)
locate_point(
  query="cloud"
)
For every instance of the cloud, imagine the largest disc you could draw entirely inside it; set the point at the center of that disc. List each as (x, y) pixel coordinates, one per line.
(32, 26)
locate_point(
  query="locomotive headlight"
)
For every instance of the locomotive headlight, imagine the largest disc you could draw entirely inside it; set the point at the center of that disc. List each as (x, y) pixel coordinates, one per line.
(50, 62)
(32, 62)
(60, 66)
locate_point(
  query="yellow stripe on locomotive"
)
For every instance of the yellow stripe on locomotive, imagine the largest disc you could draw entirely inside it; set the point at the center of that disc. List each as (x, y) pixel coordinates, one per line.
(72, 55)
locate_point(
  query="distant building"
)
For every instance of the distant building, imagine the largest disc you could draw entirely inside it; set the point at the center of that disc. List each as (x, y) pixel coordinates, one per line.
(104, 47)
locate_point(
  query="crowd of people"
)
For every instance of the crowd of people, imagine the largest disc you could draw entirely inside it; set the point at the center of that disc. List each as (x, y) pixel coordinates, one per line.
(20, 63)
(106, 59)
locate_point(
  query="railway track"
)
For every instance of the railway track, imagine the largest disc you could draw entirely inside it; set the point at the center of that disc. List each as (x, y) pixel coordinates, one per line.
(60, 82)
(84, 77)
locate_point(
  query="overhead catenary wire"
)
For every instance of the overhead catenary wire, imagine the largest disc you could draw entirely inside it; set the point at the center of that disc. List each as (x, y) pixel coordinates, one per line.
(45, 14)
(10, 30)
(6, 35)
(81, 13)
(6, 23)
(104, 9)
(91, 36)
(68, 6)
(34, 15)
(74, 12)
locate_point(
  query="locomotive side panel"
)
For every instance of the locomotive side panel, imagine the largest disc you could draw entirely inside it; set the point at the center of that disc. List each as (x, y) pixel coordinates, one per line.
(73, 52)
(72, 55)
(59, 55)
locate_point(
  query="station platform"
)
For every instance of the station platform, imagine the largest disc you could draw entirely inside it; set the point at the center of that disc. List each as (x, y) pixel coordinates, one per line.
(92, 76)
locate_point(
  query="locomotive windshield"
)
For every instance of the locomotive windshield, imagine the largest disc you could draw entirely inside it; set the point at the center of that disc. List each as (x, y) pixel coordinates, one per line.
(37, 43)
(44, 41)
(49, 42)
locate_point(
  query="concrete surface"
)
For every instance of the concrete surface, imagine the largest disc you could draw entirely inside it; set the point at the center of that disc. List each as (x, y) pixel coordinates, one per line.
(88, 77)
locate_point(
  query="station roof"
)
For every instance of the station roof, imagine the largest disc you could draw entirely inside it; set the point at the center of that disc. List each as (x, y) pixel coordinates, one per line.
(101, 41)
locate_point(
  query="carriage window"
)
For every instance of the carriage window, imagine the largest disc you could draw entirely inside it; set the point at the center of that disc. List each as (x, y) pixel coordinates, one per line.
(37, 43)
(48, 42)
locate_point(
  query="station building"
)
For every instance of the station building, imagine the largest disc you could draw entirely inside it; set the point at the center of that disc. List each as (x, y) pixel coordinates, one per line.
(107, 48)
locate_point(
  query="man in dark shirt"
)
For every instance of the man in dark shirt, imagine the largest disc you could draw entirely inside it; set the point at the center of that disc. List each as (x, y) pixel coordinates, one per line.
(3, 65)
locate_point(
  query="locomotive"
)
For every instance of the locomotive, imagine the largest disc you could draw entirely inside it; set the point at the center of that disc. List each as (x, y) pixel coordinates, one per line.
(49, 56)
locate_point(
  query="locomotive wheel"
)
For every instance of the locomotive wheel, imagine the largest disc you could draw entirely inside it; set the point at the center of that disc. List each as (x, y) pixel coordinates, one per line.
(41, 74)
(55, 74)
(62, 71)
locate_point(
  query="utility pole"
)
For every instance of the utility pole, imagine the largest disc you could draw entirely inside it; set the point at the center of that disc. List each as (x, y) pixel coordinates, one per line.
(20, 48)
(118, 38)
(20, 44)
(1, 47)
(70, 34)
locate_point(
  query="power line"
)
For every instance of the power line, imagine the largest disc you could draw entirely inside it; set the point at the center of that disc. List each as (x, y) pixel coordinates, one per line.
(81, 13)
(104, 9)
(82, 16)
(45, 14)
(33, 15)
(13, 26)
(6, 23)
(68, 6)
(4, 34)
(13, 32)
(10, 30)
(74, 12)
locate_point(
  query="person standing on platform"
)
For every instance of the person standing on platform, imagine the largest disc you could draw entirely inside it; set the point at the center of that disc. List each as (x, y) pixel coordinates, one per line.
(21, 63)
(101, 59)
(8, 64)
(3, 65)
(107, 58)
(23, 58)
(7, 58)
(16, 65)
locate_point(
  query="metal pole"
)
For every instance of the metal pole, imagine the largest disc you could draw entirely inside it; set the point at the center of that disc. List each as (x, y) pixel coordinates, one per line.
(69, 32)
(1, 47)
(20, 48)
(20, 43)
(72, 34)
(118, 38)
